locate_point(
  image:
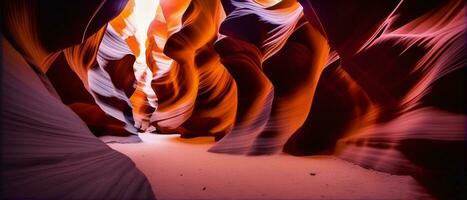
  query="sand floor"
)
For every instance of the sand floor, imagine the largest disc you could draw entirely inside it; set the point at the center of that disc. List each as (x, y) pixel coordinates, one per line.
(183, 169)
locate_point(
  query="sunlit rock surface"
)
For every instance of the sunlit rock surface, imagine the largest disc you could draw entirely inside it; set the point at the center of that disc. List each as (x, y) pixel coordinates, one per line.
(400, 62)
(380, 84)
(47, 150)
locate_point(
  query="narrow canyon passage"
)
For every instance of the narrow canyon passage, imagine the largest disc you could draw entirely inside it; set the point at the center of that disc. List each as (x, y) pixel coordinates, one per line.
(233, 99)
(180, 168)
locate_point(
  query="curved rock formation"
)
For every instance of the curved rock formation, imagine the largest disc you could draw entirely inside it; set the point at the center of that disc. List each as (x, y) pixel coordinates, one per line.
(47, 150)
(401, 57)
(380, 84)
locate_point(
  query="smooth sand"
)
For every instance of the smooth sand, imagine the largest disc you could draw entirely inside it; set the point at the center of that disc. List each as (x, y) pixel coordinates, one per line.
(183, 169)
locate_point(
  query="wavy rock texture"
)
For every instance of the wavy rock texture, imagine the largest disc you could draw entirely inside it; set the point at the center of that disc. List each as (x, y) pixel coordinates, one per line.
(380, 84)
(47, 150)
(400, 56)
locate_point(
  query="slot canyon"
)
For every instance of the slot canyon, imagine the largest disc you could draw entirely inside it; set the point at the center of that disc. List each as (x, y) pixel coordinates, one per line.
(233, 99)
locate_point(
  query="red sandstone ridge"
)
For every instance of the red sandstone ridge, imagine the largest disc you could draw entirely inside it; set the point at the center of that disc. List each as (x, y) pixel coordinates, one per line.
(379, 84)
